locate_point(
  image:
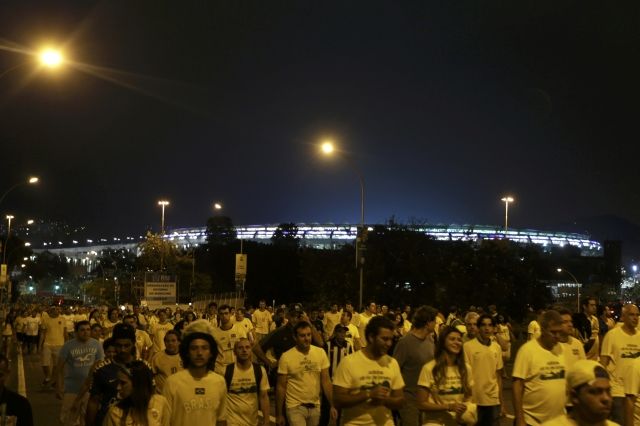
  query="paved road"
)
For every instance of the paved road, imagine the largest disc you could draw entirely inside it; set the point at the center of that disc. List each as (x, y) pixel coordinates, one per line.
(46, 408)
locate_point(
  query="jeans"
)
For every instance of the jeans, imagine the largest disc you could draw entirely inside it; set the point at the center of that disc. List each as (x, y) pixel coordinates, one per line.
(302, 416)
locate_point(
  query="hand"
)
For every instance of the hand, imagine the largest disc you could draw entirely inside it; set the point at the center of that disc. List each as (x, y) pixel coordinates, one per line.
(379, 394)
(333, 414)
(503, 411)
(280, 421)
(457, 408)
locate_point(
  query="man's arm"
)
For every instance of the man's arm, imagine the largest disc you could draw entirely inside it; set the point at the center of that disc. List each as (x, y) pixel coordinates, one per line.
(92, 410)
(395, 400)
(257, 350)
(60, 377)
(328, 391)
(629, 403)
(265, 407)
(343, 399)
(500, 393)
(281, 391)
(518, 392)
(605, 360)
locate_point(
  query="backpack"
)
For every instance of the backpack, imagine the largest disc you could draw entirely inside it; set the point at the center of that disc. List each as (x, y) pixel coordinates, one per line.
(257, 372)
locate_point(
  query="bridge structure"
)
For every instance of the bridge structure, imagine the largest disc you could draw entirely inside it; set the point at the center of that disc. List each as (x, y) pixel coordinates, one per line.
(328, 236)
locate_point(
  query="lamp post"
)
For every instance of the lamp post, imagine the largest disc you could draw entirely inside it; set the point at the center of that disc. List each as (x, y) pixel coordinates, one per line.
(162, 204)
(6, 240)
(31, 181)
(329, 149)
(506, 200)
(575, 280)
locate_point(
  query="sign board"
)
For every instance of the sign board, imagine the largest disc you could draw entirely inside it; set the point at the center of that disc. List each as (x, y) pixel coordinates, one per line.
(3, 273)
(160, 293)
(241, 266)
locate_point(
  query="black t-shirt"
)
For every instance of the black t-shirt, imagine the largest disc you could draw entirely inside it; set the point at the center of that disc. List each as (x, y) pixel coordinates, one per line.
(280, 340)
(17, 405)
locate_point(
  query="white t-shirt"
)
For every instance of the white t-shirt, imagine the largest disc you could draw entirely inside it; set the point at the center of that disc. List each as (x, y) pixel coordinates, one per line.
(226, 340)
(303, 375)
(262, 319)
(242, 398)
(32, 325)
(158, 331)
(158, 413)
(565, 420)
(446, 393)
(622, 349)
(358, 373)
(543, 373)
(485, 361)
(196, 402)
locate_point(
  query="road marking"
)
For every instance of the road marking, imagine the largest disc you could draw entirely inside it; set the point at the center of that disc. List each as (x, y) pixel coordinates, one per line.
(22, 385)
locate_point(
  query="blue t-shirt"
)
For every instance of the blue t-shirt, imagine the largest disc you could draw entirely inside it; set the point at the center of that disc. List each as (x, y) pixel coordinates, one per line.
(78, 358)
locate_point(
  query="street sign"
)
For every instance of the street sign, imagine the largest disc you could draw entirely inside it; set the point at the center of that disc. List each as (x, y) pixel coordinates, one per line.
(241, 266)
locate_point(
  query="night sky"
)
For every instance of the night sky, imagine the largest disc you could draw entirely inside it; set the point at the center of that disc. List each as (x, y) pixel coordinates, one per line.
(444, 106)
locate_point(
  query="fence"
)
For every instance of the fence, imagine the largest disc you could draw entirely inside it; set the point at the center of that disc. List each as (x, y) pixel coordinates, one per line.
(232, 298)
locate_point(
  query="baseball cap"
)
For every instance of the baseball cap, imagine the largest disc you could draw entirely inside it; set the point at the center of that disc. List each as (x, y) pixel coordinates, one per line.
(585, 371)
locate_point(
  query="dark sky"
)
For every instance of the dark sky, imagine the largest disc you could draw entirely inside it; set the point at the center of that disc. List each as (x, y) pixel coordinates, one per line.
(444, 106)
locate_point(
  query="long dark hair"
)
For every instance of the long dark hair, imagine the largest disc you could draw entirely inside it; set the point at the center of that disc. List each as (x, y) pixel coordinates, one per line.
(137, 404)
(440, 369)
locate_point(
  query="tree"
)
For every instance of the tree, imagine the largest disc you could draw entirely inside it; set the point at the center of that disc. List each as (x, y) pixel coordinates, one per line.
(156, 253)
(220, 231)
(286, 235)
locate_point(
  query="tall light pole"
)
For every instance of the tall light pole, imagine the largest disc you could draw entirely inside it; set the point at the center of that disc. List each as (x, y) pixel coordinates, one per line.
(162, 204)
(31, 181)
(506, 200)
(575, 280)
(328, 149)
(6, 240)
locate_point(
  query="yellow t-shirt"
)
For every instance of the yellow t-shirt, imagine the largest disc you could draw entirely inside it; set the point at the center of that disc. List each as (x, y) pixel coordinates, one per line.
(573, 351)
(164, 365)
(364, 320)
(622, 348)
(196, 401)
(226, 339)
(55, 330)
(158, 413)
(352, 335)
(246, 324)
(543, 373)
(485, 362)
(330, 321)
(261, 320)
(449, 392)
(565, 420)
(242, 398)
(142, 341)
(357, 373)
(158, 331)
(534, 329)
(303, 375)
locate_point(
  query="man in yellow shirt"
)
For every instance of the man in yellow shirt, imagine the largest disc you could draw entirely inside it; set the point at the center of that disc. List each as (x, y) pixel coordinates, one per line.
(539, 390)
(302, 371)
(226, 336)
(54, 334)
(485, 358)
(261, 320)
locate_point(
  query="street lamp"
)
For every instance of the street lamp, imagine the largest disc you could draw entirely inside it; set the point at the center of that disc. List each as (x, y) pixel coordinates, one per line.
(6, 240)
(217, 206)
(575, 280)
(31, 181)
(328, 148)
(506, 200)
(51, 58)
(162, 204)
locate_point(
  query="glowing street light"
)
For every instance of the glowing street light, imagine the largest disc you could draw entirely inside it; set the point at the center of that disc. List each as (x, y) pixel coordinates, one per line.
(506, 200)
(162, 203)
(217, 206)
(51, 58)
(575, 280)
(328, 149)
(31, 181)
(6, 241)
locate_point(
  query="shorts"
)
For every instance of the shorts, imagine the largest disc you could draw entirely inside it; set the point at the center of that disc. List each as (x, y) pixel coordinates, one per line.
(20, 337)
(70, 417)
(48, 352)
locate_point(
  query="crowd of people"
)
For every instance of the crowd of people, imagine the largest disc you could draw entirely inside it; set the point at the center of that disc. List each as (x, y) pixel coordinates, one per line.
(379, 366)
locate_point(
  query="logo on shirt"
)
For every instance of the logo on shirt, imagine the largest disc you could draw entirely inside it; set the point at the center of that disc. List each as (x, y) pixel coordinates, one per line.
(199, 391)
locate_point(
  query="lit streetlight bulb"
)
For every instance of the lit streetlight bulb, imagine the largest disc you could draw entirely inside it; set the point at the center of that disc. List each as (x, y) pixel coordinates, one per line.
(217, 206)
(51, 58)
(327, 148)
(34, 179)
